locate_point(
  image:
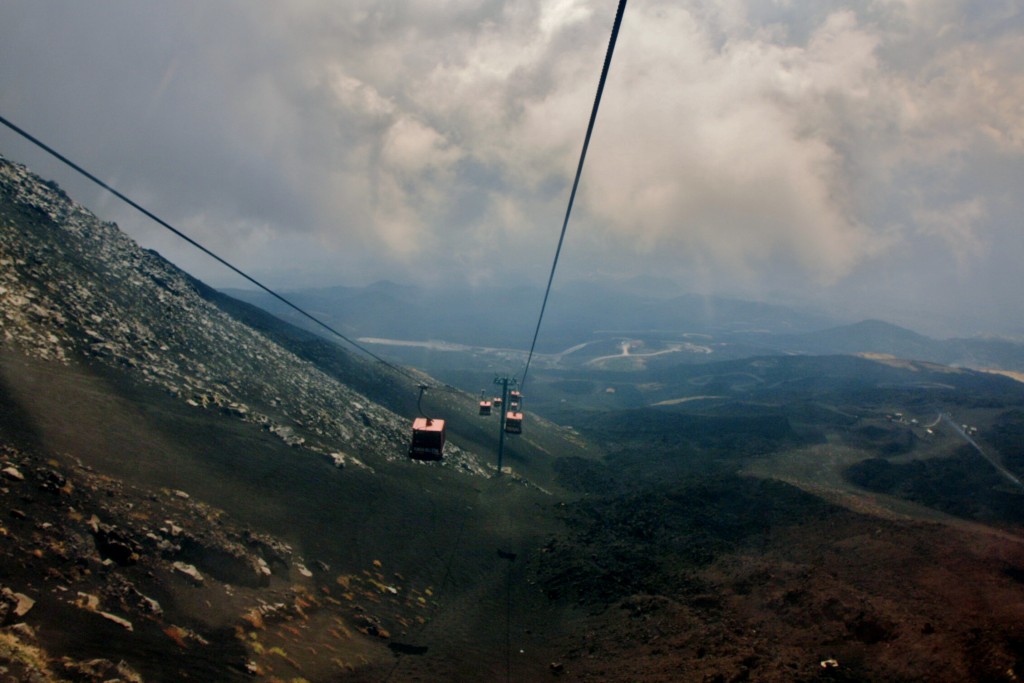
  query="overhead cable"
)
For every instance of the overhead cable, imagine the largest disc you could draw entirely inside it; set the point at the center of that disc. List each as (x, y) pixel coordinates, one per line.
(576, 182)
(201, 248)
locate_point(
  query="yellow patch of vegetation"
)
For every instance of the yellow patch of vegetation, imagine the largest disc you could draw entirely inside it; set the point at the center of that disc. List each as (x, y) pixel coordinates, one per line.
(890, 360)
(1019, 376)
(686, 399)
(16, 655)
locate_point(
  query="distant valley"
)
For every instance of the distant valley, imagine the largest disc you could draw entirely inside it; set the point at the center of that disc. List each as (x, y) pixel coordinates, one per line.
(597, 327)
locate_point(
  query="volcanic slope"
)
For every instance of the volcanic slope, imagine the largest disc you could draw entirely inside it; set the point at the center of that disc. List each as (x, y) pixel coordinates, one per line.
(187, 498)
(192, 490)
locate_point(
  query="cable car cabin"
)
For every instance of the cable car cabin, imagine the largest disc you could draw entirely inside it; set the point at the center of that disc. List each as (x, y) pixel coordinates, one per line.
(515, 398)
(485, 407)
(427, 439)
(497, 401)
(514, 423)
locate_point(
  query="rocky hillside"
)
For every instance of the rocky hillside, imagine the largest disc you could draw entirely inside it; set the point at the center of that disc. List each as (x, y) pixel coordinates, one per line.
(185, 496)
(72, 285)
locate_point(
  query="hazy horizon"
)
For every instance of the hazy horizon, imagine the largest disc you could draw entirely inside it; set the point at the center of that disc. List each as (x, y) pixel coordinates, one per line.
(858, 158)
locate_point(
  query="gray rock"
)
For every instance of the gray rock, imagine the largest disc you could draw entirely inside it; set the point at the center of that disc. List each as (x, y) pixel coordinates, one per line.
(188, 571)
(12, 473)
(120, 621)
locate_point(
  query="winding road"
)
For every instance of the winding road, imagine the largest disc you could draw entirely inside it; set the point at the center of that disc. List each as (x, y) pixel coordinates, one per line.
(1010, 476)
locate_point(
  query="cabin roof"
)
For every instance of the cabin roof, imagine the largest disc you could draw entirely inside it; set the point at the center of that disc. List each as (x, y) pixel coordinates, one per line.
(428, 425)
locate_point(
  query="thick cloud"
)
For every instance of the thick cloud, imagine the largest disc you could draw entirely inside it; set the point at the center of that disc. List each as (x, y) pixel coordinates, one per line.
(868, 152)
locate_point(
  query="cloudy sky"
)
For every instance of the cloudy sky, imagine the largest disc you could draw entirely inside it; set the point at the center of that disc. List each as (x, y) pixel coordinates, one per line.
(862, 155)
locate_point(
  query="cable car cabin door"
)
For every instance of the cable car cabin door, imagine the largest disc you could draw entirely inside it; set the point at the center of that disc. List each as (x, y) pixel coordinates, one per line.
(427, 439)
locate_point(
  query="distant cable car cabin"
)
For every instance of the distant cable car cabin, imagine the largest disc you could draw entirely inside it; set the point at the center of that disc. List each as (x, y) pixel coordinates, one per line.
(485, 407)
(514, 423)
(497, 401)
(515, 399)
(427, 439)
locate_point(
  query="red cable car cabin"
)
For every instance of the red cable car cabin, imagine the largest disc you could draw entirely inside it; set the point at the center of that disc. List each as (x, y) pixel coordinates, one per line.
(485, 407)
(514, 423)
(497, 401)
(427, 439)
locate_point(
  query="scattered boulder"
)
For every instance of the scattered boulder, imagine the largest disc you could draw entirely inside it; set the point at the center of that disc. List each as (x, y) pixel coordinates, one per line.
(12, 473)
(226, 561)
(271, 549)
(120, 621)
(87, 601)
(100, 670)
(52, 481)
(14, 606)
(130, 597)
(115, 544)
(371, 626)
(189, 571)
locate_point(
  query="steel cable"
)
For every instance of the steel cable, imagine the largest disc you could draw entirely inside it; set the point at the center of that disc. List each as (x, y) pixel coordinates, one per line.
(576, 182)
(159, 221)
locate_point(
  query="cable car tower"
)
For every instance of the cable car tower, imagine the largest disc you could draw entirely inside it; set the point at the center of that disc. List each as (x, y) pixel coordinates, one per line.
(503, 423)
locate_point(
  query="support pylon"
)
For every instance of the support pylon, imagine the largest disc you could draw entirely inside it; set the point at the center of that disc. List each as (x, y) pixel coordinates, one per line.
(504, 382)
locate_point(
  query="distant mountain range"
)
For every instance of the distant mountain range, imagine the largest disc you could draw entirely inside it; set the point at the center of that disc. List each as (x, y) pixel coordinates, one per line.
(581, 313)
(876, 336)
(505, 316)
